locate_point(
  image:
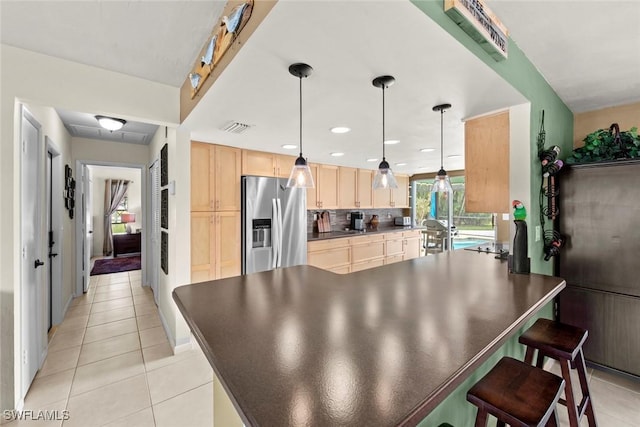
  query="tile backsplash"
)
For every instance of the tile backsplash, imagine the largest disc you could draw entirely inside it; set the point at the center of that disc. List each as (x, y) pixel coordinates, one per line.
(339, 219)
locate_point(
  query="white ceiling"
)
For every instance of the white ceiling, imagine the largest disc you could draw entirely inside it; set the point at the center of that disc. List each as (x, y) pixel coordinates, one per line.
(587, 50)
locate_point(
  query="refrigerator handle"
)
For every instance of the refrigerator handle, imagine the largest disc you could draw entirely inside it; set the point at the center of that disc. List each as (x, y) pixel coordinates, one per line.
(275, 234)
(280, 231)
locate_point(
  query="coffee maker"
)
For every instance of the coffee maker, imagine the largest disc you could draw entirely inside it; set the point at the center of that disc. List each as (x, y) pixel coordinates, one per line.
(357, 220)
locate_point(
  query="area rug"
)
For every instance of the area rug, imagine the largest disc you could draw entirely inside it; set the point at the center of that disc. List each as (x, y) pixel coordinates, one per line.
(115, 265)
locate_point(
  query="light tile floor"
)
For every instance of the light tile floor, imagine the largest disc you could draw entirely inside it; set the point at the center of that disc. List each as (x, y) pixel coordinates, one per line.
(110, 364)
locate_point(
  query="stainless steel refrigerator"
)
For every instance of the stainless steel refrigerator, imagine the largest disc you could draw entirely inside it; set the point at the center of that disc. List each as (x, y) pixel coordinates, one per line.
(274, 224)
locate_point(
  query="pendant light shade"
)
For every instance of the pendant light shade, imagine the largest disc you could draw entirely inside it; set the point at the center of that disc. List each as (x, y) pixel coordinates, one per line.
(300, 176)
(441, 190)
(384, 175)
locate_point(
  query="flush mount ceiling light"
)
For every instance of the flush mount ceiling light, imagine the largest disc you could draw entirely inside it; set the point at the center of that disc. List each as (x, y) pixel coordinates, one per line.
(384, 175)
(300, 173)
(110, 123)
(340, 129)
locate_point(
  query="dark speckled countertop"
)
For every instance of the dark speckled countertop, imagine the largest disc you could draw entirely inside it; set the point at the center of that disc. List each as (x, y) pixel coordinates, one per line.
(336, 234)
(379, 347)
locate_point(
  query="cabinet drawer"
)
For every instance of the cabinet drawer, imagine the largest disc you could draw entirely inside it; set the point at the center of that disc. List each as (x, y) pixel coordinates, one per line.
(367, 264)
(329, 258)
(394, 247)
(358, 240)
(341, 270)
(323, 245)
(412, 233)
(393, 259)
(366, 251)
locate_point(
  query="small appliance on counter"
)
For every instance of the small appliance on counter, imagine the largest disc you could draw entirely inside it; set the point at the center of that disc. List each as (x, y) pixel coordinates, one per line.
(357, 220)
(402, 220)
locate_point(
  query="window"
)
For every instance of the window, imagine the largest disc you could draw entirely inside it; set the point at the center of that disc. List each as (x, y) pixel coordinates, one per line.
(473, 229)
(122, 207)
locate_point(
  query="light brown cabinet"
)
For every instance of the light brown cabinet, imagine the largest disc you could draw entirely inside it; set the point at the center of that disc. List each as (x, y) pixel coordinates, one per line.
(355, 188)
(215, 177)
(327, 180)
(344, 255)
(394, 197)
(215, 245)
(486, 148)
(260, 163)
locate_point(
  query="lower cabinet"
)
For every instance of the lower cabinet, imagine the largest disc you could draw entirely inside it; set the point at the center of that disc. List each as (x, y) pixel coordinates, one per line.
(345, 255)
(215, 245)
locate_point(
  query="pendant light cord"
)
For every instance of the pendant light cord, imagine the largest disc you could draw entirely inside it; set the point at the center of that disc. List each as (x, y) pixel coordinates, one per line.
(300, 116)
(441, 140)
(383, 157)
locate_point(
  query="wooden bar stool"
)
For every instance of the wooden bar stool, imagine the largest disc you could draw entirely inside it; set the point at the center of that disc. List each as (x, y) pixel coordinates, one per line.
(517, 394)
(564, 344)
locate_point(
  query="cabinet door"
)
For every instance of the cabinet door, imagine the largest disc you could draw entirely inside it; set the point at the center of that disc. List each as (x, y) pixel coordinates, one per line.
(486, 147)
(312, 193)
(412, 247)
(400, 195)
(364, 193)
(382, 198)
(227, 243)
(258, 163)
(227, 178)
(284, 164)
(202, 247)
(347, 193)
(328, 186)
(202, 165)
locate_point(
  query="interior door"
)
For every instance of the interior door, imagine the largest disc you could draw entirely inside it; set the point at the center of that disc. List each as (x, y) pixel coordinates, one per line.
(50, 241)
(87, 222)
(32, 307)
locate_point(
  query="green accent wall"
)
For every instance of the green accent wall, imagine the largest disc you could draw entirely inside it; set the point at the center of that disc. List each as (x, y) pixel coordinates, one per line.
(518, 71)
(455, 409)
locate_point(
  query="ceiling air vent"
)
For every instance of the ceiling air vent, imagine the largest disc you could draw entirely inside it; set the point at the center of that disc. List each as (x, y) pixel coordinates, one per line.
(235, 127)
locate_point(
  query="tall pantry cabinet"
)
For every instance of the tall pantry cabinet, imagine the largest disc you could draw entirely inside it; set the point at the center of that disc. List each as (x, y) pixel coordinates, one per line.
(215, 211)
(600, 215)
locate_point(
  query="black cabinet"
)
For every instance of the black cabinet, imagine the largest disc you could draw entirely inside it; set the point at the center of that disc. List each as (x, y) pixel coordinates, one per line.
(600, 205)
(126, 243)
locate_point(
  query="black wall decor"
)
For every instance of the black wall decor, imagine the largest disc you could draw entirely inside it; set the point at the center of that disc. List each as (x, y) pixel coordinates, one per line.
(164, 252)
(164, 208)
(69, 190)
(164, 165)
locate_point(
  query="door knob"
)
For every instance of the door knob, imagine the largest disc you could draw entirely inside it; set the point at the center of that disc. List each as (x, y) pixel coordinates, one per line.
(37, 263)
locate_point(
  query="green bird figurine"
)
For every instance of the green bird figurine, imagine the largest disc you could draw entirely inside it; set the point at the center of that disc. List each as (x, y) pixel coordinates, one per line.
(519, 212)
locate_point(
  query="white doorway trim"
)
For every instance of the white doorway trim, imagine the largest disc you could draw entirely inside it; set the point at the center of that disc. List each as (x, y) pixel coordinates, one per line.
(55, 263)
(144, 188)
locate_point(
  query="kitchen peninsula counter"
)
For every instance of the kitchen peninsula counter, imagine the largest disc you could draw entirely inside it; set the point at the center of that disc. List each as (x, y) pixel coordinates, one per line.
(304, 346)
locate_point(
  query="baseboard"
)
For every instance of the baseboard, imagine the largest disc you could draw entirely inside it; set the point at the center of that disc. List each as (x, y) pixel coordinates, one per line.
(184, 344)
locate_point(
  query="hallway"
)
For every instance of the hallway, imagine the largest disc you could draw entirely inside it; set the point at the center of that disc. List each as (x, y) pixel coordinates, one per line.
(110, 363)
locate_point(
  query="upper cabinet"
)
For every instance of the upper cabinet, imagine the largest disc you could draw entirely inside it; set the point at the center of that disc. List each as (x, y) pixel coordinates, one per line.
(327, 186)
(259, 163)
(486, 148)
(395, 197)
(355, 188)
(215, 177)
(312, 193)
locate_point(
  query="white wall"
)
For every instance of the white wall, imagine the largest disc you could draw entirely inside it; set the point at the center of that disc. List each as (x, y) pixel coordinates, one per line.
(99, 175)
(47, 81)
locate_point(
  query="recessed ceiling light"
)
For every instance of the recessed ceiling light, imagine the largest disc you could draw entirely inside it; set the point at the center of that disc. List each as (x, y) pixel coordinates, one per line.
(337, 154)
(422, 167)
(454, 156)
(401, 164)
(391, 141)
(372, 160)
(427, 150)
(289, 146)
(340, 129)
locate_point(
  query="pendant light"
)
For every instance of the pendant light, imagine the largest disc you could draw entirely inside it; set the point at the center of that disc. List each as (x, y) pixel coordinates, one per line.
(384, 175)
(441, 188)
(300, 173)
